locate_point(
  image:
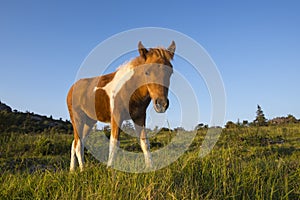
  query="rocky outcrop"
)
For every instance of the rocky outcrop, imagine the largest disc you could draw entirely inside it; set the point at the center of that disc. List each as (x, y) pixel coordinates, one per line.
(4, 107)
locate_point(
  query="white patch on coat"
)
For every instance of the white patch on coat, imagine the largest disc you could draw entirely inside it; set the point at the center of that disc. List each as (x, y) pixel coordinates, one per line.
(124, 73)
(97, 88)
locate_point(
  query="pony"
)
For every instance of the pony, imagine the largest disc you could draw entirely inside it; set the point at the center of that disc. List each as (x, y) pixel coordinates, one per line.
(118, 96)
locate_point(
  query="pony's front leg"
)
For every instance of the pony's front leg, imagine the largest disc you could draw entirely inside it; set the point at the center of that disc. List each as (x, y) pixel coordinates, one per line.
(145, 145)
(113, 148)
(113, 143)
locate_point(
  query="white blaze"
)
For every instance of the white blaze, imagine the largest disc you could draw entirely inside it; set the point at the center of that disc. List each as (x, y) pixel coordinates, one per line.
(123, 74)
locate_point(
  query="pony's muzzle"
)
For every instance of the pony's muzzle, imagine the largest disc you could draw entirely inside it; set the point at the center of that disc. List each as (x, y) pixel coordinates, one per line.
(161, 105)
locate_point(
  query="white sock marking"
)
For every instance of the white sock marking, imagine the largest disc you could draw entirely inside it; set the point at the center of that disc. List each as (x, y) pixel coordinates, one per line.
(73, 157)
(147, 154)
(113, 145)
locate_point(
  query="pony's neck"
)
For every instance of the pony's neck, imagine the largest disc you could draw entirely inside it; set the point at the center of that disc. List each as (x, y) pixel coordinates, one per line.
(141, 94)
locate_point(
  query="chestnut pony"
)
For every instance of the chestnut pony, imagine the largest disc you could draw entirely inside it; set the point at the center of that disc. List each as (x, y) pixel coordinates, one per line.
(118, 96)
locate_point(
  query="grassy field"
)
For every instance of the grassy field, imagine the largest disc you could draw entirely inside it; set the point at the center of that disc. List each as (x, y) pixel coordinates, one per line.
(246, 163)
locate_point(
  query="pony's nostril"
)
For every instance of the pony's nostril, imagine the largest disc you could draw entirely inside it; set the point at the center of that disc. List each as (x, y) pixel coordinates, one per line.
(166, 104)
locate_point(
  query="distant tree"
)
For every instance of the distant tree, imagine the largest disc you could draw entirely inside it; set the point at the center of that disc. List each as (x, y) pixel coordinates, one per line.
(199, 126)
(175, 129)
(291, 119)
(170, 130)
(260, 119)
(230, 124)
(245, 123)
(238, 123)
(106, 129)
(156, 129)
(128, 127)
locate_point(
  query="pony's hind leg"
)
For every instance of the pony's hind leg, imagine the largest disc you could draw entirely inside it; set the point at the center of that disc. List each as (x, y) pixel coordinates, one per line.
(79, 151)
(76, 148)
(77, 126)
(73, 157)
(87, 127)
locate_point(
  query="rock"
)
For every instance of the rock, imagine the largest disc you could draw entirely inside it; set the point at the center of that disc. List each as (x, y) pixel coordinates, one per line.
(4, 107)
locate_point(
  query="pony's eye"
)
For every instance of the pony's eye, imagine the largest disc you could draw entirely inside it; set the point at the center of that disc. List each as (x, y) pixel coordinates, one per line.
(147, 73)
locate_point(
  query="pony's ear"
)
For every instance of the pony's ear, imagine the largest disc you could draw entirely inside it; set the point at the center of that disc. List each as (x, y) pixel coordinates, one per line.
(142, 50)
(171, 49)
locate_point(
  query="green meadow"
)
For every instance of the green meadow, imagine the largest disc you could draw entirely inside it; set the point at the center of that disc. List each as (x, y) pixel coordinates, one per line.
(245, 163)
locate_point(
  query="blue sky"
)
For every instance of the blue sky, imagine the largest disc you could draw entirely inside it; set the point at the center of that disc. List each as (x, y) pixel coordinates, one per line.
(255, 45)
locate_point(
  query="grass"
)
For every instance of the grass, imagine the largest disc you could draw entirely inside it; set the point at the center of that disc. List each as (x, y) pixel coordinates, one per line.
(246, 163)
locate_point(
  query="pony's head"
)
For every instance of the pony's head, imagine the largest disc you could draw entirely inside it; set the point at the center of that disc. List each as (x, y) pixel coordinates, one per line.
(158, 70)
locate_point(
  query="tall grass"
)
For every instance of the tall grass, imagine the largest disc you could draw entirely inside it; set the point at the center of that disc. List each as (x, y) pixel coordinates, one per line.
(241, 166)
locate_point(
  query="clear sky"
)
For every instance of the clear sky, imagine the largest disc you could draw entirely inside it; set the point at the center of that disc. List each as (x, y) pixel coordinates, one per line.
(255, 45)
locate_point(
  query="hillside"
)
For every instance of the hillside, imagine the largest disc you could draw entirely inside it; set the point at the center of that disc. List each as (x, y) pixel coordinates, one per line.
(240, 166)
(247, 162)
(28, 122)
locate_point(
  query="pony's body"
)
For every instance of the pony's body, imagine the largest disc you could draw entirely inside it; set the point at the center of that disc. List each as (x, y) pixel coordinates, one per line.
(118, 96)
